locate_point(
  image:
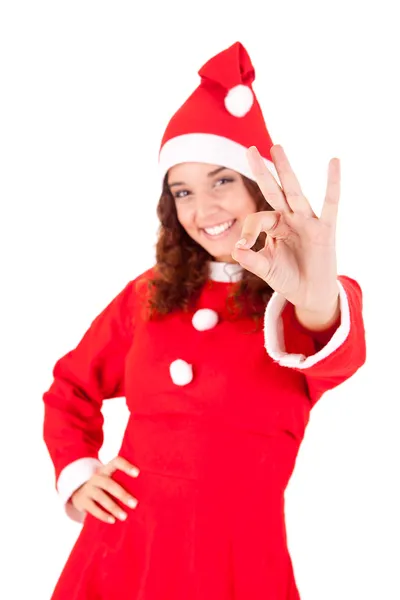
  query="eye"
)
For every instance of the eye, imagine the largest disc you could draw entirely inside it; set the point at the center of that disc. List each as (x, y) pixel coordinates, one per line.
(225, 179)
(181, 194)
(185, 193)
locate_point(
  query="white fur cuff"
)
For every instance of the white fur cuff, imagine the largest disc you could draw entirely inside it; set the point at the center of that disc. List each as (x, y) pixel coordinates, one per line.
(274, 338)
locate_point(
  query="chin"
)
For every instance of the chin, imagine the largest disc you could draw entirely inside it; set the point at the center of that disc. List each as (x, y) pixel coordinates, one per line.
(225, 255)
(219, 251)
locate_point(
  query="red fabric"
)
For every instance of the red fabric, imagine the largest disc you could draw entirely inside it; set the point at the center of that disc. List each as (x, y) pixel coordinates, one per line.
(336, 368)
(319, 338)
(215, 455)
(83, 378)
(230, 67)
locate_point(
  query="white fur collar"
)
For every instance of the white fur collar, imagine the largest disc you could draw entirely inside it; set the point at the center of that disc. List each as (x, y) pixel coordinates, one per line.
(225, 272)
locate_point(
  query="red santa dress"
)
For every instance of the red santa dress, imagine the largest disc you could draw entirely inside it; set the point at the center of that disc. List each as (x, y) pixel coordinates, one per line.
(218, 409)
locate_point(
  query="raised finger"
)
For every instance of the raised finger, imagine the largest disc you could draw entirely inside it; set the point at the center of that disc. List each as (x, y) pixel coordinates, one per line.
(331, 204)
(104, 500)
(122, 464)
(92, 508)
(114, 489)
(270, 188)
(290, 184)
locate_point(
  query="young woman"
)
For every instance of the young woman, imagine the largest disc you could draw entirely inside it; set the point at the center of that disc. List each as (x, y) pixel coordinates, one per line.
(221, 350)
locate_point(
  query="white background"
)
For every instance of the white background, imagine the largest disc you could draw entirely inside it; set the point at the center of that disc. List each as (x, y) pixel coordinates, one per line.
(87, 89)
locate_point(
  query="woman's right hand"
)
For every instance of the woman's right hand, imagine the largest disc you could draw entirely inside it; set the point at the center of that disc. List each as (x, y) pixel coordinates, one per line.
(100, 490)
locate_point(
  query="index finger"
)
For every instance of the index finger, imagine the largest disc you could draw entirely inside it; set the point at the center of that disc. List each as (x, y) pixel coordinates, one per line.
(267, 221)
(122, 464)
(266, 181)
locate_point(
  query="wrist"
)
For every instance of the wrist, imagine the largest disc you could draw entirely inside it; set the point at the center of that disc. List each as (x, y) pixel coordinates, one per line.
(319, 320)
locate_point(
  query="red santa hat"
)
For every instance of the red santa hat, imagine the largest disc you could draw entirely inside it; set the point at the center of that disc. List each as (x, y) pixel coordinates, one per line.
(220, 120)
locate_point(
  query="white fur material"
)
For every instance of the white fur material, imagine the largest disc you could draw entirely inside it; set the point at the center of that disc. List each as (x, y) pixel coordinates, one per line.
(239, 100)
(204, 319)
(71, 478)
(225, 272)
(210, 149)
(181, 372)
(274, 338)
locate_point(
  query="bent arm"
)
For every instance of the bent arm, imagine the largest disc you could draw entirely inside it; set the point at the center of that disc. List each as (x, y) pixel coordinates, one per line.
(82, 380)
(326, 358)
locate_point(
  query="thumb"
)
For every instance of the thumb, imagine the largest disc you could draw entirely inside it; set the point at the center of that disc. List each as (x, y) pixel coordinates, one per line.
(258, 263)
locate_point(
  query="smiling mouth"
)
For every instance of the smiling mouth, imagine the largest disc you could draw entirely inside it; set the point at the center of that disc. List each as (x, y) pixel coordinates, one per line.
(218, 230)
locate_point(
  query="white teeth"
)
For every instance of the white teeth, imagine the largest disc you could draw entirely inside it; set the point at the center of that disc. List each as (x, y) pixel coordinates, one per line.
(219, 229)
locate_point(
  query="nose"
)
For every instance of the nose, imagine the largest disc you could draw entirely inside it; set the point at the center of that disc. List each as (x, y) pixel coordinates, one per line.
(206, 206)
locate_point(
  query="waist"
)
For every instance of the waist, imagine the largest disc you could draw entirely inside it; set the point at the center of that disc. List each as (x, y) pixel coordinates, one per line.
(194, 449)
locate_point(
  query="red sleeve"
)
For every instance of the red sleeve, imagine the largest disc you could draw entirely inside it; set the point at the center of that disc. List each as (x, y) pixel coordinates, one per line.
(326, 358)
(83, 378)
(294, 330)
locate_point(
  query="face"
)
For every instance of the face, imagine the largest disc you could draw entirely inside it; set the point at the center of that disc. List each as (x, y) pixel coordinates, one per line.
(212, 203)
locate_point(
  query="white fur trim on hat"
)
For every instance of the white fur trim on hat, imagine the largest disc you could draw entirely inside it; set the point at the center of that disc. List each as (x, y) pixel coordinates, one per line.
(208, 148)
(181, 372)
(239, 100)
(204, 319)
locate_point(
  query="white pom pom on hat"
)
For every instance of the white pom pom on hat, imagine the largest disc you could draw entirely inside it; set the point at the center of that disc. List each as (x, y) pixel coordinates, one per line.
(239, 100)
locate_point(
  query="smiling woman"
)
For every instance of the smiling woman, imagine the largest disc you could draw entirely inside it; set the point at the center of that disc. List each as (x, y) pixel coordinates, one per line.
(218, 373)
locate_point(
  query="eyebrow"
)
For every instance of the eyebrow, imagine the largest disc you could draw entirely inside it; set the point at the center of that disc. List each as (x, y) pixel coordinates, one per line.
(211, 174)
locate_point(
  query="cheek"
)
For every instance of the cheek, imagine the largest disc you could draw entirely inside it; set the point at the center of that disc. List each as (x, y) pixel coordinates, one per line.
(185, 216)
(242, 205)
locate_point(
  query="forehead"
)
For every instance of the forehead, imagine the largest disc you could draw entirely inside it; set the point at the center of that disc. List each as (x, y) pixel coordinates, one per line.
(191, 170)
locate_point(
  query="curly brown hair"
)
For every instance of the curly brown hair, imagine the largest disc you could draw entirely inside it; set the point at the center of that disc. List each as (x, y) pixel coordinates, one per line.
(181, 269)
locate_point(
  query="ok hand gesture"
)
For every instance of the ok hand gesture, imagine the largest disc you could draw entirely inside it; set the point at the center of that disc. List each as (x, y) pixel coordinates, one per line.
(299, 256)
